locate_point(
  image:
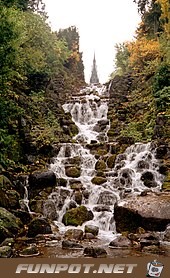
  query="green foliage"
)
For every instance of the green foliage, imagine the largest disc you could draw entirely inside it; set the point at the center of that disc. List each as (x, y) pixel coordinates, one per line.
(41, 52)
(121, 61)
(151, 24)
(162, 98)
(161, 78)
(11, 35)
(75, 63)
(30, 56)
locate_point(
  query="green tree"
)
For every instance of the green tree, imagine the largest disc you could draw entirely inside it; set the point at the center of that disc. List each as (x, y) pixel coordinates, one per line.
(75, 62)
(122, 58)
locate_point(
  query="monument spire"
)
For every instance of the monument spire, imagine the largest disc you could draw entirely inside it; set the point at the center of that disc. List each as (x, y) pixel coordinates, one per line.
(94, 77)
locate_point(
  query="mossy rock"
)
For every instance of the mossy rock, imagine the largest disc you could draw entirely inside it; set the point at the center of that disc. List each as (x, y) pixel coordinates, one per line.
(4, 201)
(100, 174)
(5, 183)
(39, 226)
(166, 183)
(111, 161)
(100, 165)
(5, 252)
(98, 180)
(77, 216)
(73, 172)
(37, 205)
(13, 197)
(10, 225)
(74, 129)
(101, 152)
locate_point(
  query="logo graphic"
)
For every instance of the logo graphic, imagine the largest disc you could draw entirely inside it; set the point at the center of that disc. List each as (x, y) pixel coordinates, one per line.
(154, 269)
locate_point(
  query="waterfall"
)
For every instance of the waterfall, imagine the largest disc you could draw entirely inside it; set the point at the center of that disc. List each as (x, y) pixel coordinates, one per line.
(128, 176)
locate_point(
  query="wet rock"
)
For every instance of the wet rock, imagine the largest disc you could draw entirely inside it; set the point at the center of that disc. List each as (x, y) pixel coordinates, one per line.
(78, 197)
(126, 140)
(91, 229)
(163, 169)
(161, 151)
(76, 234)
(9, 224)
(120, 242)
(89, 236)
(120, 157)
(49, 210)
(9, 197)
(72, 204)
(76, 185)
(151, 212)
(73, 172)
(24, 216)
(13, 199)
(4, 233)
(107, 198)
(100, 165)
(154, 249)
(61, 182)
(111, 161)
(75, 161)
(95, 252)
(5, 252)
(68, 244)
(148, 179)
(101, 125)
(142, 164)
(126, 176)
(39, 226)
(21, 181)
(100, 208)
(8, 242)
(29, 251)
(86, 193)
(59, 196)
(167, 233)
(36, 205)
(5, 183)
(149, 239)
(42, 180)
(98, 180)
(77, 216)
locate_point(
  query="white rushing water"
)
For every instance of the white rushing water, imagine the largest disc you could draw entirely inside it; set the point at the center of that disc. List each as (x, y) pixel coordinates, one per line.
(89, 112)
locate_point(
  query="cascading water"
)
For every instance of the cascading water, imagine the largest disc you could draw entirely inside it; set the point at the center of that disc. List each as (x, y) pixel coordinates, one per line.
(89, 112)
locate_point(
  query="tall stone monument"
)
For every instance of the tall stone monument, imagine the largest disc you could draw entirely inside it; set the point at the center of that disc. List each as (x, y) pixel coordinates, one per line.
(94, 77)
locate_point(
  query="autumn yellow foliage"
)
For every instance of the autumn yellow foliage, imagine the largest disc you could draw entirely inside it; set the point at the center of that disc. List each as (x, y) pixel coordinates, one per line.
(142, 52)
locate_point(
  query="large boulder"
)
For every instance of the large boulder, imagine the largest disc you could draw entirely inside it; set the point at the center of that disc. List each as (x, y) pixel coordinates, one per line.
(151, 212)
(77, 216)
(39, 226)
(42, 179)
(9, 224)
(9, 198)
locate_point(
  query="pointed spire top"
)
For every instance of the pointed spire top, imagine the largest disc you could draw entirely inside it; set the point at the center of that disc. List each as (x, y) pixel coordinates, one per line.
(94, 77)
(94, 59)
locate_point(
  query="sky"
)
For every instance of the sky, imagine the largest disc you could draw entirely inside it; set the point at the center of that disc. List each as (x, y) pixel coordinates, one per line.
(101, 24)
